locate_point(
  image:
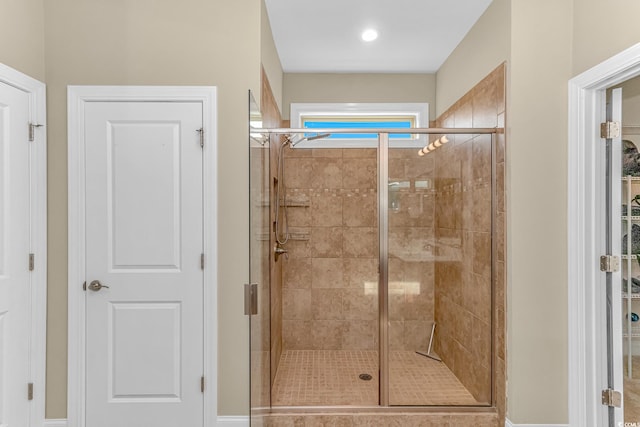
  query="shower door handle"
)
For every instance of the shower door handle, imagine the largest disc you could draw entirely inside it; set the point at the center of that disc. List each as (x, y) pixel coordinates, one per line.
(251, 299)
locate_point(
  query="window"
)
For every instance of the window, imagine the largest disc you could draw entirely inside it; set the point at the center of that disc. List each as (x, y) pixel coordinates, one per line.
(360, 116)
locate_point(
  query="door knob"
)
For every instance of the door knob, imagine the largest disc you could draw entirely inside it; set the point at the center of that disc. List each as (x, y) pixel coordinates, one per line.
(96, 286)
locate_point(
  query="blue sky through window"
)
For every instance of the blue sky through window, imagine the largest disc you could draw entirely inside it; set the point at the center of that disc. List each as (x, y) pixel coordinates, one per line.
(359, 124)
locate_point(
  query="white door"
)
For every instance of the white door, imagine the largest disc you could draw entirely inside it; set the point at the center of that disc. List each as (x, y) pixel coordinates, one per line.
(15, 280)
(144, 240)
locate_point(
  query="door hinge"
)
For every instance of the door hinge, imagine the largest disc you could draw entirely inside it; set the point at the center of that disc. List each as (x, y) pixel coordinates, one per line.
(202, 261)
(32, 131)
(610, 130)
(612, 398)
(30, 391)
(609, 263)
(32, 262)
(202, 384)
(201, 132)
(250, 299)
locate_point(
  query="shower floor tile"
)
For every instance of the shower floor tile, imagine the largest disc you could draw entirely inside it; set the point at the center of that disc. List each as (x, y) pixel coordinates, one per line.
(331, 378)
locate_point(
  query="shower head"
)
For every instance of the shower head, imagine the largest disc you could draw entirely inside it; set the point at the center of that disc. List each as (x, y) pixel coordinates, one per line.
(318, 136)
(293, 143)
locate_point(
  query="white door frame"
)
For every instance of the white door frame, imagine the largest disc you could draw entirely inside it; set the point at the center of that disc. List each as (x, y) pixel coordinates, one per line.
(36, 91)
(586, 230)
(77, 98)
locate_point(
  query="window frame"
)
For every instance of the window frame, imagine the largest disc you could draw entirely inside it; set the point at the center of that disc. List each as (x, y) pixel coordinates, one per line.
(418, 110)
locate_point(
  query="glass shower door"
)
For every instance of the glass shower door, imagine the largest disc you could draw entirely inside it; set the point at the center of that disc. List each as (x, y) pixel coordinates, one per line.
(257, 292)
(440, 272)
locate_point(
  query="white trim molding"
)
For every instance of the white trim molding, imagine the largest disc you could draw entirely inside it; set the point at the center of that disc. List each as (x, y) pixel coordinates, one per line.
(36, 92)
(417, 110)
(587, 363)
(508, 423)
(55, 423)
(77, 98)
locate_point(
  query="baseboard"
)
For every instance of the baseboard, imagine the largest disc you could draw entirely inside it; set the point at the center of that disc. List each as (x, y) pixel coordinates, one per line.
(508, 423)
(221, 422)
(232, 421)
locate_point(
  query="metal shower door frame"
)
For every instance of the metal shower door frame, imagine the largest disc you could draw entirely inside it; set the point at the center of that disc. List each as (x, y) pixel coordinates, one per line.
(383, 237)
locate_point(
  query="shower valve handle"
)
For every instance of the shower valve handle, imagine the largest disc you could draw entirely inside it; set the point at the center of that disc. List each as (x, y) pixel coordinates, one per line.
(279, 250)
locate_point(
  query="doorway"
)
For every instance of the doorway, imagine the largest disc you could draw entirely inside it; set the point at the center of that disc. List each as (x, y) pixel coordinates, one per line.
(598, 302)
(142, 327)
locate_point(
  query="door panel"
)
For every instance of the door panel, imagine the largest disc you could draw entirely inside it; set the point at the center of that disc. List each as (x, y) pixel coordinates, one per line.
(144, 225)
(144, 244)
(145, 362)
(15, 281)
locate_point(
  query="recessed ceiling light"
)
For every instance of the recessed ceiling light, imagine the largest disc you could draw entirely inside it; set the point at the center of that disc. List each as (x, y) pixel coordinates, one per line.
(369, 35)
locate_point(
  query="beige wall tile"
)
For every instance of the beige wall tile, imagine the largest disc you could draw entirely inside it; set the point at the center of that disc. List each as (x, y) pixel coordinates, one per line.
(359, 304)
(299, 172)
(360, 242)
(485, 109)
(296, 334)
(296, 272)
(326, 173)
(326, 209)
(358, 272)
(327, 272)
(360, 335)
(326, 242)
(360, 153)
(360, 173)
(327, 334)
(416, 334)
(326, 304)
(360, 209)
(296, 304)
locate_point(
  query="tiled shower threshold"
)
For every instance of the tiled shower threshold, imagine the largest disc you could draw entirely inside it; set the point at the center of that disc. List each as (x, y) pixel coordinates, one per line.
(382, 417)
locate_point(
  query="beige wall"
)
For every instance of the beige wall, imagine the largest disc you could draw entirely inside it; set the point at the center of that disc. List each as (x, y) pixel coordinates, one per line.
(484, 48)
(22, 36)
(359, 88)
(269, 57)
(601, 29)
(631, 102)
(218, 43)
(151, 42)
(537, 199)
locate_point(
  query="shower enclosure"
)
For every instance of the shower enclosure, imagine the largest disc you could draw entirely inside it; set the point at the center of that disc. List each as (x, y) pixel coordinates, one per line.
(382, 295)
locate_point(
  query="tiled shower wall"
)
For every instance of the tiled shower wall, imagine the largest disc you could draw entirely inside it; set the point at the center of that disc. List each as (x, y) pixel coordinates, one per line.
(330, 280)
(330, 298)
(463, 218)
(273, 297)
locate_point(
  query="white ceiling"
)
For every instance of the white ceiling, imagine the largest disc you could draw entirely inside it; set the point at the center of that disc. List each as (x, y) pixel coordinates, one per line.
(415, 36)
